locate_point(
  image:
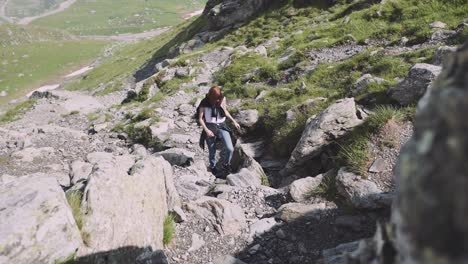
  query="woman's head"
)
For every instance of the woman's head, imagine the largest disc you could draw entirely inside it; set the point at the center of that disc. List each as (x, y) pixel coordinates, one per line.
(215, 95)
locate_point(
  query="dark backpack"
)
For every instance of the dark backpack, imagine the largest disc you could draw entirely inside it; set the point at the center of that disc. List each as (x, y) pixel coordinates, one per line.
(204, 103)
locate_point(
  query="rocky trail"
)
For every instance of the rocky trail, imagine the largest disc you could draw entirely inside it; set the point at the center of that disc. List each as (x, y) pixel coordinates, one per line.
(121, 178)
(217, 219)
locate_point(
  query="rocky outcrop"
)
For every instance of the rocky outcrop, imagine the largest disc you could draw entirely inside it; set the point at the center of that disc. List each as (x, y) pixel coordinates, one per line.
(225, 13)
(126, 203)
(361, 193)
(430, 213)
(226, 218)
(337, 120)
(413, 87)
(300, 190)
(36, 224)
(295, 211)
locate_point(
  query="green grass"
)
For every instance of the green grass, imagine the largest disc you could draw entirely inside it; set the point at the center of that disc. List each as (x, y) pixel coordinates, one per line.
(74, 200)
(327, 187)
(31, 65)
(12, 34)
(26, 8)
(17, 111)
(168, 229)
(110, 17)
(354, 151)
(129, 59)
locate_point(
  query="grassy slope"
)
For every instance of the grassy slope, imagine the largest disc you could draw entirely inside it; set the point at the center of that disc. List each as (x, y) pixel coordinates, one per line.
(31, 57)
(130, 58)
(25, 8)
(106, 17)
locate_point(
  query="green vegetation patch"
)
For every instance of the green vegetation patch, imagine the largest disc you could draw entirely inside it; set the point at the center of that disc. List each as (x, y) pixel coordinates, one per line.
(128, 59)
(168, 229)
(110, 17)
(31, 65)
(17, 111)
(354, 151)
(74, 200)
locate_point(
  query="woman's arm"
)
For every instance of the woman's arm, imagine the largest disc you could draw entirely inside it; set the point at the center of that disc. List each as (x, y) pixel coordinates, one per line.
(228, 115)
(208, 132)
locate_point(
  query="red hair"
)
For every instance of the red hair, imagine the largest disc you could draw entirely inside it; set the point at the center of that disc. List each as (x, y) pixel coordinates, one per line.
(215, 94)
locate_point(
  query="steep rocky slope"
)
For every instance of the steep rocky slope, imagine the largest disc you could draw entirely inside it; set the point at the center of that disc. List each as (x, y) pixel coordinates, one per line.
(322, 119)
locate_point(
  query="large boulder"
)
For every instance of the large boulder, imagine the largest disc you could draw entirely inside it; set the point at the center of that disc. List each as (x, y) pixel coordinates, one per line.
(291, 212)
(242, 160)
(431, 209)
(413, 87)
(125, 204)
(226, 13)
(360, 192)
(334, 122)
(36, 223)
(177, 156)
(301, 190)
(244, 179)
(227, 218)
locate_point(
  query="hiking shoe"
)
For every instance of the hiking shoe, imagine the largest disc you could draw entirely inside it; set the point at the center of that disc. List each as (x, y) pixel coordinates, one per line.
(227, 168)
(213, 170)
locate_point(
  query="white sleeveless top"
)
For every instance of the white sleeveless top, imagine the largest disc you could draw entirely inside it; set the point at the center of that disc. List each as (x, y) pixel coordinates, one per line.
(212, 119)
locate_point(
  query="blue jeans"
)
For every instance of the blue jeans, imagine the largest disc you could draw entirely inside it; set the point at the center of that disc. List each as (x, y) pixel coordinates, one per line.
(211, 142)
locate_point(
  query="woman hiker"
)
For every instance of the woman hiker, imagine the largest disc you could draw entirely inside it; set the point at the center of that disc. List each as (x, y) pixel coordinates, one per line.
(212, 115)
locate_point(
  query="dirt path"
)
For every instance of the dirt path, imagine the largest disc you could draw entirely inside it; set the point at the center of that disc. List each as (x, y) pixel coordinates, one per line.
(61, 7)
(130, 37)
(3, 12)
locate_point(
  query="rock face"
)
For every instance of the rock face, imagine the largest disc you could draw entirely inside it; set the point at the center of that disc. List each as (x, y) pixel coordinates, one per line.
(334, 122)
(433, 174)
(300, 190)
(227, 218)
(294, 211)
(413, 87)
(177, 156)
(36, 224)
(244, 178)
(361, 193)
(120, 189)
(226, 13)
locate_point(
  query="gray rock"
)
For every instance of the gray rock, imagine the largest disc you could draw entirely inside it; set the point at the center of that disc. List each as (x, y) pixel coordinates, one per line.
(36, 223)
(294, 211)
(432, 201)
(186, 110)
(161, 129)
(254, 149)
(139, 150)
(300, 190)
(182, 72)
(42, 95)
(120, 189)
(197, 243)
(247, 118)
(338, 255)
(30, 154)
(261, 50)
(361, 193)
(413, 87)
(3, 93)
(241, 160)
(442, 54)
(80, 170)
(262, 226)
(227, 218)
(379, 165)
(179, 214)
(364, 81)
(227, 259)
(333, 123)
(437, 24)
(230, 12)
(177, 156)
(244, 179)
(442, 34)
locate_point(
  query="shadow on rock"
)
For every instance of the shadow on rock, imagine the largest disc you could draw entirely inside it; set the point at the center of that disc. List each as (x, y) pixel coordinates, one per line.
(135, 255)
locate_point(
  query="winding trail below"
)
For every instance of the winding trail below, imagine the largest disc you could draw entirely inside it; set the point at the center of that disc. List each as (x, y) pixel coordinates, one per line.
(60, 8)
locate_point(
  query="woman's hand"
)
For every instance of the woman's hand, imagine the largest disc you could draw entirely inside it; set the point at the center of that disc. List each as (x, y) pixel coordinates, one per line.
(209, 133)
(236, 125)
